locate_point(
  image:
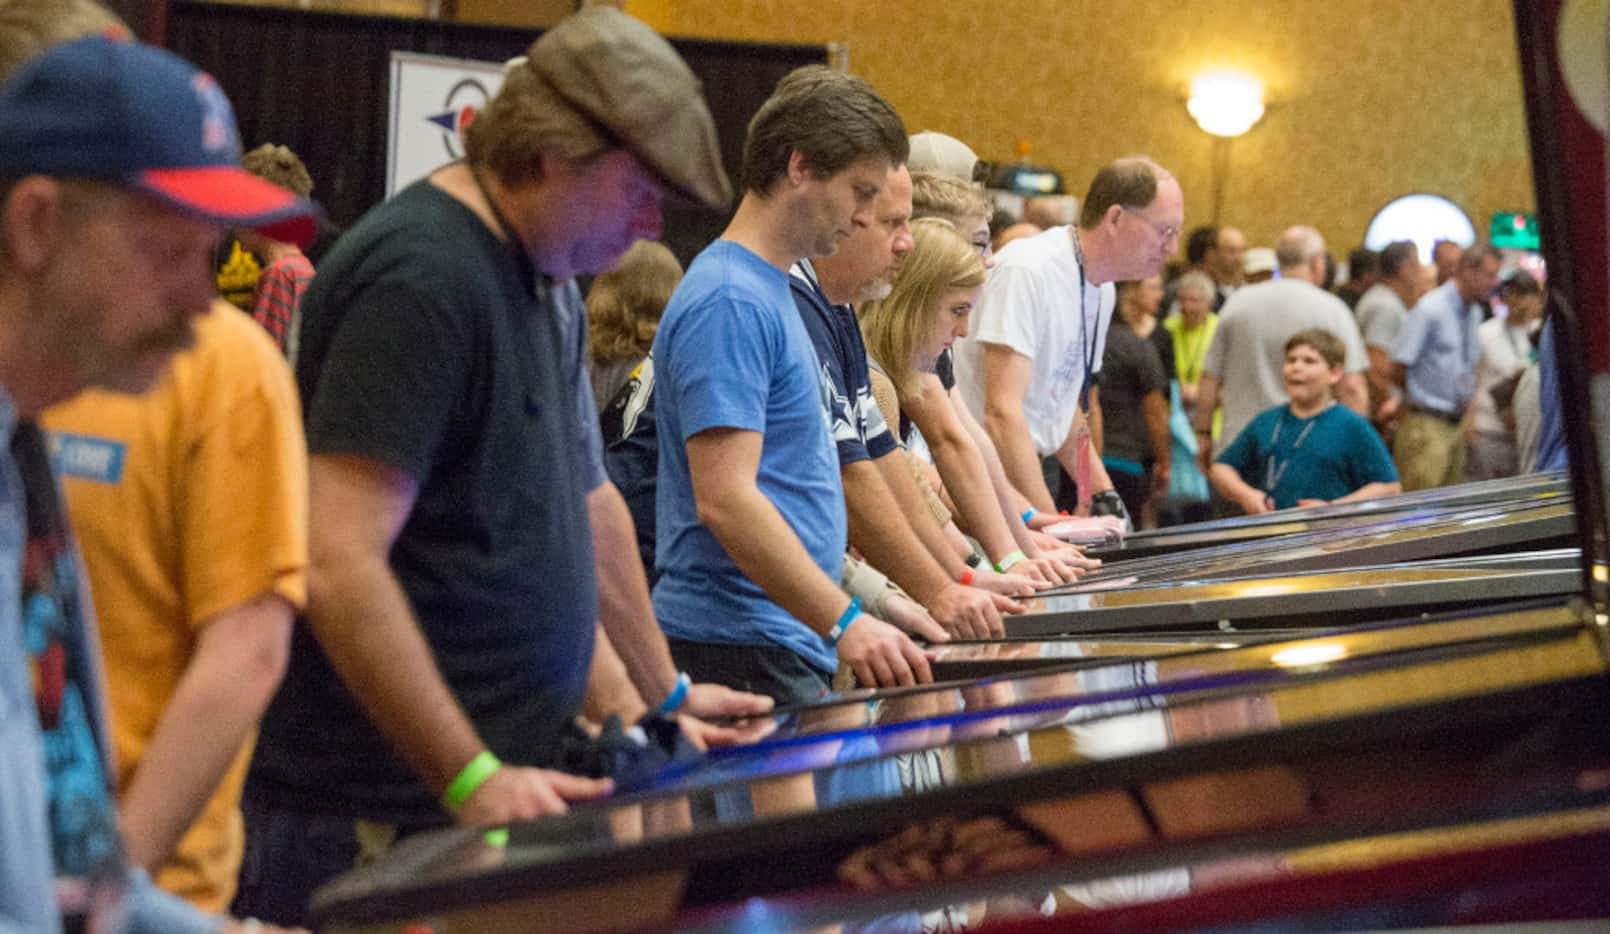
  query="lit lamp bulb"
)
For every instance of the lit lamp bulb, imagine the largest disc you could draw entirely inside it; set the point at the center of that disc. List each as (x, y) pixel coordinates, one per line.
(1225, 103)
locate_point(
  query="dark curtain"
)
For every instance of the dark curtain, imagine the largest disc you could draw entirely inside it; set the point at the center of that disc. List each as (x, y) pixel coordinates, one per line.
(147, 18)
(317, 82)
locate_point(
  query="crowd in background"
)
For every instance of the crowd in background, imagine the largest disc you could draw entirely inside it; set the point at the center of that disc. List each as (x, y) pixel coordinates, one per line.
(392, 524)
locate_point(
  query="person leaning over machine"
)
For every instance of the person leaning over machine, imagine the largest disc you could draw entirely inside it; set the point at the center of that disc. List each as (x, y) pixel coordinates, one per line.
(122, 174)
(1038, 333)
(1310, 451)
(889, 522)
(752, 525)
(987, 506)
(465, 545)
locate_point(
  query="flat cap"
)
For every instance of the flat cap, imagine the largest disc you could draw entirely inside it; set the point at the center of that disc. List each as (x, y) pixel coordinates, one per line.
(626, 79)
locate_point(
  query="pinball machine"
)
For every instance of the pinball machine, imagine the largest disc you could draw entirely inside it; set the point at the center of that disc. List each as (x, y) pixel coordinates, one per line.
(1390, 716)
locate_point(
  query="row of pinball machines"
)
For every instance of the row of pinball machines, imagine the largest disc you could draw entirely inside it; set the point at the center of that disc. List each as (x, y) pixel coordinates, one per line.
(1379, 716)
(1389, 714)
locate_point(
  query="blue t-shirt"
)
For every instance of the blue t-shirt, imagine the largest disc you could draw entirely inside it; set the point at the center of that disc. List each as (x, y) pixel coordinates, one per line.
(1324, 456)
(859, 430)
(732, 352)
(1439, 347)
(1551, 453)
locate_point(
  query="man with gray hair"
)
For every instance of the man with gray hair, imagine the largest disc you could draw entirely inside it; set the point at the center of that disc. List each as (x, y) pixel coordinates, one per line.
(1242, 371)
(132, 155)
(1040, 327)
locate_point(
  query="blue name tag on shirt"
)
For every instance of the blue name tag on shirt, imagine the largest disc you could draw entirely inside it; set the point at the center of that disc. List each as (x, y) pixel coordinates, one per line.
(87, 458)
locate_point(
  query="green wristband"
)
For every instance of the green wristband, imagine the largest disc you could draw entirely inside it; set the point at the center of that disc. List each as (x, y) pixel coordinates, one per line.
(472, 777)
(1010, 559)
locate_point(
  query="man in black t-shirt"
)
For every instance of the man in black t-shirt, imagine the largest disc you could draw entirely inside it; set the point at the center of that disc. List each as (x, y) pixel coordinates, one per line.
(461, 522)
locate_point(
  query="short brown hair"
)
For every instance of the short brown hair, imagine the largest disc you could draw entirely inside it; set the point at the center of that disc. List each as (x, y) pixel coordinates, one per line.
(831, 118)
(278, 164)
(29, 27)
(1326, 344)
(940, 259)
(1129, 182)
(624, 305)
(934, 194)
(526, 118)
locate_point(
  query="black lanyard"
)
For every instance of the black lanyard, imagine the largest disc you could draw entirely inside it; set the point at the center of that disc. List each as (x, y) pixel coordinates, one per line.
(522, 259)
(1087, 344)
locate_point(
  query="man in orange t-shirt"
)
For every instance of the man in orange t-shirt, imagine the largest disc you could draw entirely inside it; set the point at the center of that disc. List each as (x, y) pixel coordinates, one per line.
(190, 506)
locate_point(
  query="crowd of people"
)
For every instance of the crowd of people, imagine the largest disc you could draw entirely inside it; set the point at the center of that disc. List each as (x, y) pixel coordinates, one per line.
(1441, 360)
(378, 553)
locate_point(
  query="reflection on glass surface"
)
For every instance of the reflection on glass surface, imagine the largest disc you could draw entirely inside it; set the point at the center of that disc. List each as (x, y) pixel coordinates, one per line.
(1261, 868)
(1114, 723)
(1533, 489)
(1053, 690)
(689, 827)
(1315, 653)
(1177, 592)
(1438, 534)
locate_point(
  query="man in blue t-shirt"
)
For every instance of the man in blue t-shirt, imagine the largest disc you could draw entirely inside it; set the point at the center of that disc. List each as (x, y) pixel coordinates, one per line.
(1310, 451)
(750, 509)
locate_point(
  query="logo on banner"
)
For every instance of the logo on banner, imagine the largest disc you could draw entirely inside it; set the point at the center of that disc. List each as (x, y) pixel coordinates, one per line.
(463, 102)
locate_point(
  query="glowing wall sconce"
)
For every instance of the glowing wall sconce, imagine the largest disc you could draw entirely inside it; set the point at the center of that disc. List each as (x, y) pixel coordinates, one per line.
(1225, 103)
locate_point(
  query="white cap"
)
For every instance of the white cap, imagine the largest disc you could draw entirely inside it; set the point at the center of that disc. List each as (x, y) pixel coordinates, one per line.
(947, 155)
(1259, 259)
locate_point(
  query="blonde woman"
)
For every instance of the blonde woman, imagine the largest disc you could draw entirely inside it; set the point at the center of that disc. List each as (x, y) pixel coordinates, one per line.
(926, 311)
(623, 313)
(906, 334)
(985, 502)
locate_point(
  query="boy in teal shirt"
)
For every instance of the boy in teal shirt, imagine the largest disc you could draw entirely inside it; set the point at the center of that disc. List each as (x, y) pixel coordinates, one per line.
(1310, 451)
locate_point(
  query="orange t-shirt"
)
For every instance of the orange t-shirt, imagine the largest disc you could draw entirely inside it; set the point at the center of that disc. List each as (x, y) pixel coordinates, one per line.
(186, 502)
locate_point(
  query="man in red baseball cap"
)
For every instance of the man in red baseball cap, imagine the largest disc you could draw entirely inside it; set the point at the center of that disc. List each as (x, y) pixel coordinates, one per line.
(120, 169)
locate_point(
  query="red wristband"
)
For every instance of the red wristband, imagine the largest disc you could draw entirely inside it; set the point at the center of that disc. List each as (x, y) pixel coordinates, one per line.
(967, 577)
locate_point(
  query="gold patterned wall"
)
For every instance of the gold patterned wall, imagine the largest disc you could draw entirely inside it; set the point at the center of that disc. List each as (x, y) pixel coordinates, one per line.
(1369, 99)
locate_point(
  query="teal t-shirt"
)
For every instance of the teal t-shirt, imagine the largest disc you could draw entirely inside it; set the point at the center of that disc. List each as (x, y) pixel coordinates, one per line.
(1324, 456)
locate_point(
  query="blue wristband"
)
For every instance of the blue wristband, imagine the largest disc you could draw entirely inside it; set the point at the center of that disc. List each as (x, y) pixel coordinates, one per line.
(851, 612)
(674, 700)
(1028, 514)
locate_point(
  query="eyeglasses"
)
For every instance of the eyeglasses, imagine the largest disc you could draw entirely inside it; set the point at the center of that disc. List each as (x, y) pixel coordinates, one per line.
(1165, 231)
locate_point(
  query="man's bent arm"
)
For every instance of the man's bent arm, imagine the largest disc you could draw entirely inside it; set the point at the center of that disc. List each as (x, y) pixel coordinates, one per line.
(724, 465)
(362, 618)
(624, 606)
(609, 686)
(239, 659)
(1006, 383)
(962, 466)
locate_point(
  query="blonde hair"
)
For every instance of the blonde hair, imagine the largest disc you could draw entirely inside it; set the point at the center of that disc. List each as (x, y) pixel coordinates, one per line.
(941, 259)
(624, 305)
(947, 197)
(29, 27)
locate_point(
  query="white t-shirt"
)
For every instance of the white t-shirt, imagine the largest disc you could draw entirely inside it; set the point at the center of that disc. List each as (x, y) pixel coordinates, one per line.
(1380, 316)
(1504, 351)
(1249, 348)
(1031, 304)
